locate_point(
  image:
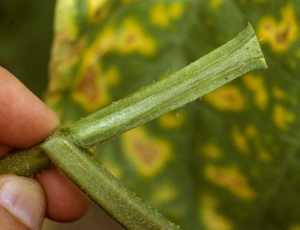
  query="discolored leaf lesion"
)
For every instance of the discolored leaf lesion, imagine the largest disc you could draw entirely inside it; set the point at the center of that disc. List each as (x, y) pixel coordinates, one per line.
(241, 137)
(280, 35)
(149, 154)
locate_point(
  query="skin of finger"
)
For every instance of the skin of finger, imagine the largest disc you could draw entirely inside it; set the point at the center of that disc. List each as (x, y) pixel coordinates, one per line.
(24, 117)
(10, 222)
(66, 202)
(27, 121)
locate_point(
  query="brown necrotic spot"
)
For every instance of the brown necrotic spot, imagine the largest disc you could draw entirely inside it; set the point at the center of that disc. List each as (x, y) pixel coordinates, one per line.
(279, 34)
(230, 178)
(227, 98)
(98, 10)
(149, 154)
(146, 152)
(91, 91)
(88, 85)
(282, 36)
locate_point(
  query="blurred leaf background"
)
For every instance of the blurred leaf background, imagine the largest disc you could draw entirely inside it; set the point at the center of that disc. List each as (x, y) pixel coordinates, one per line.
(227, 161)
(25, 40)
(26, 34)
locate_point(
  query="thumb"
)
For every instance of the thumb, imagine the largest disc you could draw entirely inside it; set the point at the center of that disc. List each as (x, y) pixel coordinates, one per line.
(22, 203)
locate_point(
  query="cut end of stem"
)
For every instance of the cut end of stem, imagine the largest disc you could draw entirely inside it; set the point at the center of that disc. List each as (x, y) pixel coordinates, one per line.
(261, 59)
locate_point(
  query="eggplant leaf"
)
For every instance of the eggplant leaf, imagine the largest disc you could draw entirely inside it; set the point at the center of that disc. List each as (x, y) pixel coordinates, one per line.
(227, 161)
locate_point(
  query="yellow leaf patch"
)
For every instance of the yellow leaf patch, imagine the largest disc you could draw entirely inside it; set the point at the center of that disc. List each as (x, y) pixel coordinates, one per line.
(279, 35)
(165, 193)
(230, 178)
(98, 10)
(162, 14)
(278, 93)
(90, 91)
(211, 151)
(64, 23)
(282, 117)
(256, 85)
(132, 38)
(215, 4)
(172, 120)
(226, 98)
(210, 216)
(149, 154)
(295, 227)
(240, 140)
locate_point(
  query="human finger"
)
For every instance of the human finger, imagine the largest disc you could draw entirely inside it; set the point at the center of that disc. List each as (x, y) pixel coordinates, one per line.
(22, 203)
(66, 202)
(24, 119)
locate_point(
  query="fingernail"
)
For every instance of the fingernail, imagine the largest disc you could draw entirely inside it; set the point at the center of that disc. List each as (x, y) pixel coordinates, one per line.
(24, 200)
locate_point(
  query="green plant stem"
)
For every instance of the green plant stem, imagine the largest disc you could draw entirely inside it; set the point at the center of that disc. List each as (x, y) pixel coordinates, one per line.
(224, 64)
(25, 162)
(88, 174)
(65, 147)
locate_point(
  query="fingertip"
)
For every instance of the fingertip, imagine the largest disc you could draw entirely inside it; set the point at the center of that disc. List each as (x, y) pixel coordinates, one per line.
(24, 117)
(66, 202)
(22, 202)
